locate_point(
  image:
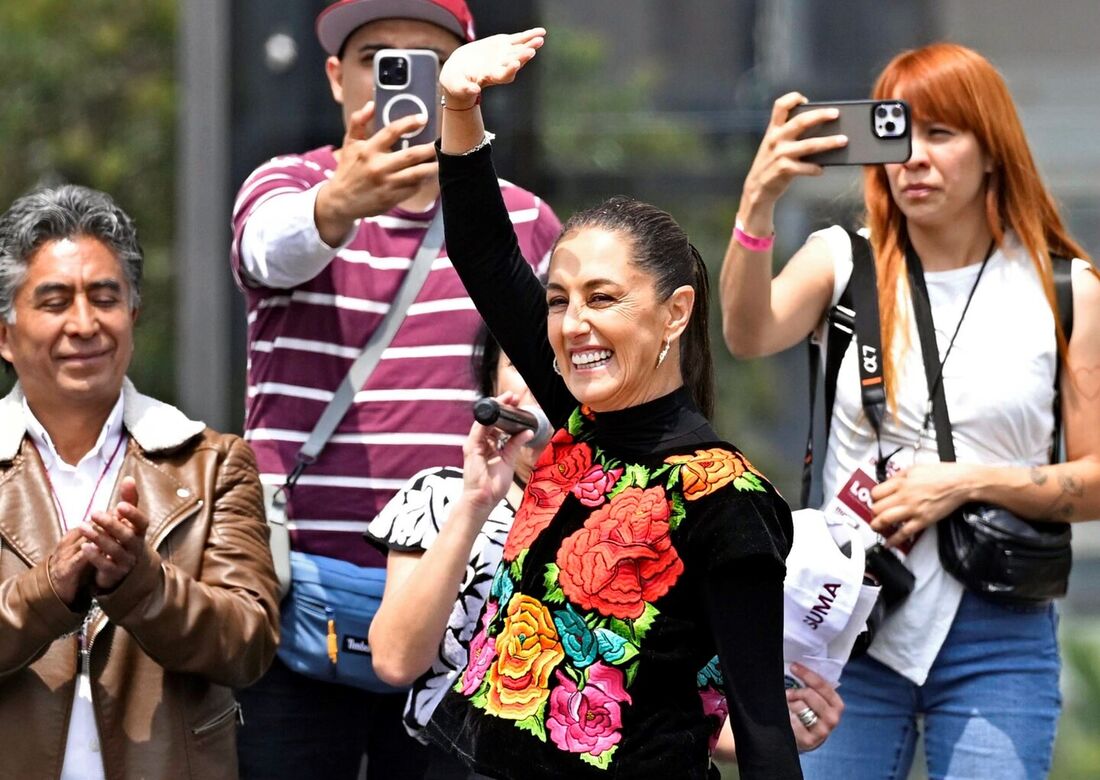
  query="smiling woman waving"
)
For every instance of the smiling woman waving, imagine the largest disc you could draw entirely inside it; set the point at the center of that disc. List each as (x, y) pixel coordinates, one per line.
(640, 590)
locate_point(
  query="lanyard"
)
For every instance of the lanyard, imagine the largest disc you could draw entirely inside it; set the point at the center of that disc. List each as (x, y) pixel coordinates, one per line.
(88, 509)
(922, 311)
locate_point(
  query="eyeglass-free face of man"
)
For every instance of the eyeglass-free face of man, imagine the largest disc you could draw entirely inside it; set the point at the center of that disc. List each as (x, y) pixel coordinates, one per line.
(71, 336)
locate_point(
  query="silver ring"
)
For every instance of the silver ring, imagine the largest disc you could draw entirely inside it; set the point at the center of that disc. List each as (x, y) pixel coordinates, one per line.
(807, 717)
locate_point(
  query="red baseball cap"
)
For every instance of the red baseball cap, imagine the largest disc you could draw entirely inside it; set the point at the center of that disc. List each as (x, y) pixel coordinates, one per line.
(341, 19)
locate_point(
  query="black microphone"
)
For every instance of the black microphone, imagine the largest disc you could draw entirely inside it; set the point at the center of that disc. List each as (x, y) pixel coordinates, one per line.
(514, 419)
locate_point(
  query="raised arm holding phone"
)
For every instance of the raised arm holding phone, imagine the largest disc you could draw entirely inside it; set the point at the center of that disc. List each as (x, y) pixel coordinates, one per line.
(323, 241)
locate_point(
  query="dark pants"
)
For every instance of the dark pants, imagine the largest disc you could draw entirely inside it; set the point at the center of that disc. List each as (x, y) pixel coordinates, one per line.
(296, 728)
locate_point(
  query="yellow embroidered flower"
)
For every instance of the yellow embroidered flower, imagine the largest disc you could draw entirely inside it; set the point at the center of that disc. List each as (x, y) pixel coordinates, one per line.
(708, 470)
(528, 649)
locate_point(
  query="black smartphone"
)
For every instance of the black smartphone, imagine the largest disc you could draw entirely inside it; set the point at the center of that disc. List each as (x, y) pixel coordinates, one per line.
(406, 83)
(878, 132)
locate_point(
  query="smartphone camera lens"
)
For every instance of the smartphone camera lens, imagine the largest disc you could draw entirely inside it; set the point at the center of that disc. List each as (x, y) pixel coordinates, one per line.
(881, 112)
(889, 127)
(393, 71)
(895, 112)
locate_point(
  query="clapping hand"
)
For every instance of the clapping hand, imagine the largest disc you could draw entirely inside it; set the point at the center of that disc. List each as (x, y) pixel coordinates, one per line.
(485, 63)
(115, 540)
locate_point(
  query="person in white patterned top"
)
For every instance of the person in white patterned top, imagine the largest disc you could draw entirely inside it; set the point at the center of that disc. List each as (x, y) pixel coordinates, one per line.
(444, 532)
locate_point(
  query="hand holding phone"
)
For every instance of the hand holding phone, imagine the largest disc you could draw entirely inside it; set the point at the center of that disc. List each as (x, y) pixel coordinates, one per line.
(878, 132)
(405, 84)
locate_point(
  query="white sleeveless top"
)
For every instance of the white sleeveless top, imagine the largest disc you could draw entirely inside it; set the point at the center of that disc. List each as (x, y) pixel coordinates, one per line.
(999, 386)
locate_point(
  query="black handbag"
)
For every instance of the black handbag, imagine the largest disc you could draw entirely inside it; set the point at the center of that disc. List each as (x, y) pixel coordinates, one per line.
(1003, 557)
(987, 548)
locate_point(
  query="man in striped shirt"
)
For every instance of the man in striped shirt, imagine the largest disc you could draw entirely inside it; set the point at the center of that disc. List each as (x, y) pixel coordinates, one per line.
(322, 241)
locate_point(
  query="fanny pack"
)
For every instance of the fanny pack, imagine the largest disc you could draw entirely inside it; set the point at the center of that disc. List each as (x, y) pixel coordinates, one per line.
(326, 618)
(328, 604)
(987, 548)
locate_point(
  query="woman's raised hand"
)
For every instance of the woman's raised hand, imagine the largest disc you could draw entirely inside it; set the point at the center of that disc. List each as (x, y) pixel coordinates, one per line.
(485, 63)
(779, 160)
(488, 465)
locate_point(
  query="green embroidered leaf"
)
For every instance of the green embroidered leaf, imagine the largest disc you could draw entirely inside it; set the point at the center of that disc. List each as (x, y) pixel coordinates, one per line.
(479, 699)
(678, 513)
(603, 760)
(550, 578)
(749, 481)
(576, 421)
(620, 486)
(637, 475)
(673, 477)
(643, 623)
(533, 725)
(631, 673)
(622, 628)
(555, 596)
(656, 474)
(517, 566)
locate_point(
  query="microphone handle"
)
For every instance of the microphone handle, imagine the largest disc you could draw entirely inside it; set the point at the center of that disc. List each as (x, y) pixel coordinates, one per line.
(509, 419)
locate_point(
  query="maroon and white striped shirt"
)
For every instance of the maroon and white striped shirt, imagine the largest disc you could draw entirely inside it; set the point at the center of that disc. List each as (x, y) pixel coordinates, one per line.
(414, 411)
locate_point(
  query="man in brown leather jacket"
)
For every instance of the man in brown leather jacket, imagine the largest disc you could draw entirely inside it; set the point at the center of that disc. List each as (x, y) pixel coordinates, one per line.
(136, 584)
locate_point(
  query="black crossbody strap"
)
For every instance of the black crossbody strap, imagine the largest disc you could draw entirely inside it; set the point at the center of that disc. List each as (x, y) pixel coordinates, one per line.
(860, 293)
(868, 333)
(1062, 268)
(838, 334)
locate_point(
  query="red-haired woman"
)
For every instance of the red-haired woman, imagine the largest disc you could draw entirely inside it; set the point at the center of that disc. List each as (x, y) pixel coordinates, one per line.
(971, 211)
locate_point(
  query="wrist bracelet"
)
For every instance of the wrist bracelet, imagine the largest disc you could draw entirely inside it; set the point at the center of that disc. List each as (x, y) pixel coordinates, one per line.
(751, 242)
(444, 106)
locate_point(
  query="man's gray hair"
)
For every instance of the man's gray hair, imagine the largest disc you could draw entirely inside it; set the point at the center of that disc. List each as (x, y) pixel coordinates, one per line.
(57, 213)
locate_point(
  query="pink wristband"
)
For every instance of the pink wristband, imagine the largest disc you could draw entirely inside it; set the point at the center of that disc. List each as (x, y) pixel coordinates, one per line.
(750, 242)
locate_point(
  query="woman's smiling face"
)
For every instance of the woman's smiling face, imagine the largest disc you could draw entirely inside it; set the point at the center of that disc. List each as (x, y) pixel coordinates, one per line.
(605, 323)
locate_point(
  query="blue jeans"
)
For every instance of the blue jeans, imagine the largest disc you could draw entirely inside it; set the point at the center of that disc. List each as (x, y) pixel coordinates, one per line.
(989, 707)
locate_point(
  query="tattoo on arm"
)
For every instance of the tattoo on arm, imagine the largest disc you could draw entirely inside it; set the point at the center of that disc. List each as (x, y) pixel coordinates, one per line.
(1071, 485)
(1038, 476)
(1086, 380)
(1064, 512)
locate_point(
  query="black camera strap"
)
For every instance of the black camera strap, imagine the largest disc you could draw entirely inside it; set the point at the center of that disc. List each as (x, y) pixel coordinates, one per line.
(856, 313)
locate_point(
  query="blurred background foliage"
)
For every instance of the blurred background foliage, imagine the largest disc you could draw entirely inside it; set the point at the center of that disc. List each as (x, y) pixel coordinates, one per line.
(90, 96)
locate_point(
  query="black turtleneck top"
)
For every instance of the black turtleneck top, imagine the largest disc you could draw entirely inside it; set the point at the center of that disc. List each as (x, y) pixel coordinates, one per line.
(641, 588)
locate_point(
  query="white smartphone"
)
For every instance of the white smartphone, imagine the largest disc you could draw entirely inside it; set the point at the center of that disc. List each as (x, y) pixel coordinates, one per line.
(406, 83)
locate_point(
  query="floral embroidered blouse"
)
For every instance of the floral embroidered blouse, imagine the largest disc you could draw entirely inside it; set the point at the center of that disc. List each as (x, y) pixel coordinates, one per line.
(640, 590)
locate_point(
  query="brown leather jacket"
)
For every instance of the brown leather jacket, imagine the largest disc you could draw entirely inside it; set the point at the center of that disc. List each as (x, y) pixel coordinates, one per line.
(196, 619)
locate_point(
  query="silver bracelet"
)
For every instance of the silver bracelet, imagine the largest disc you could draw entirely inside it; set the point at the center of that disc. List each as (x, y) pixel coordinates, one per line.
(485, 141)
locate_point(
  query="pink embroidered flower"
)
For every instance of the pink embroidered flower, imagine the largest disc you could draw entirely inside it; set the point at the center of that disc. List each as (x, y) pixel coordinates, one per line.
(588, 720)
(593, 487)
(482, 652)
(716, 708)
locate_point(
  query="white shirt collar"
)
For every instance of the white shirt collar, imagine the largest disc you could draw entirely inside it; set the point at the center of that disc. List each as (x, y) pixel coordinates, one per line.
(105, 444)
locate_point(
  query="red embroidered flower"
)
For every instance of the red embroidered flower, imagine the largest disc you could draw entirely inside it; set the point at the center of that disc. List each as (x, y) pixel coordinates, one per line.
(595, 484)
(559, 467)
(622, 557)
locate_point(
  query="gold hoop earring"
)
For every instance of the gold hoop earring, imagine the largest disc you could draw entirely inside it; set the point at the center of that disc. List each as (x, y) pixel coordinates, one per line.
(664, 352)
